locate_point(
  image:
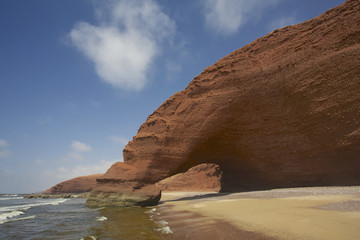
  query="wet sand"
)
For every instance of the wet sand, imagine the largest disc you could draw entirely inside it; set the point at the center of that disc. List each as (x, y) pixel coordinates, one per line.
(298, 213)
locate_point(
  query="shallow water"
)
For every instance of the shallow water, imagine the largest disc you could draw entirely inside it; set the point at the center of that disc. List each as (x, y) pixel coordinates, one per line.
(71, 219)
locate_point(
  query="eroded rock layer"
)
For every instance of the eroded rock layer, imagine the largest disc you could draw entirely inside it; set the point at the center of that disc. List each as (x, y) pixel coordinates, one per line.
(75, 185)
(121, 186)
(205, 177)
(282, 111)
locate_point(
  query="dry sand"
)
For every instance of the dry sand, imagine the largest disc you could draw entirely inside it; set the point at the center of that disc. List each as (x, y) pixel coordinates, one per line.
(330, 213)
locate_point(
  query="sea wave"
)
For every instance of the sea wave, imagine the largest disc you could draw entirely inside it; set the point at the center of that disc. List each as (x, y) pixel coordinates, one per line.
(28, 206)
(21, 219)
(4, 217)
(11, 198)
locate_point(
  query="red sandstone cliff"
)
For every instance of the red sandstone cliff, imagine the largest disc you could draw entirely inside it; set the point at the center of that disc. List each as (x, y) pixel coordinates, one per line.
(75, 185)
(282, 111)
(204, 177)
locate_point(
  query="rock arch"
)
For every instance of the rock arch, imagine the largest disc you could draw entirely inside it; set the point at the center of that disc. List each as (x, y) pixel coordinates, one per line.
(282, 111)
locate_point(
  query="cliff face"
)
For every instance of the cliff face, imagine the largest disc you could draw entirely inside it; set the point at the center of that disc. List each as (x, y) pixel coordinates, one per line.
(282, 111)
(205, 177)
(75, 185)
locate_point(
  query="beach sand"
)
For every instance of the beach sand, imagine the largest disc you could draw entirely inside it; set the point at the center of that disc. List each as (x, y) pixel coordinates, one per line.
(330, 213)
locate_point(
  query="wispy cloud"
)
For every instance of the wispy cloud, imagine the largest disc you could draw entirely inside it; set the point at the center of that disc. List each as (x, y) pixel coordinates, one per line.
(4, 151)
(80, 147)
(282, 22)
(120, 140)
(3, 143)
(126, 41)
(63, 173)
(76, 156)
(227, 16)
(172, 69)
(38, 162)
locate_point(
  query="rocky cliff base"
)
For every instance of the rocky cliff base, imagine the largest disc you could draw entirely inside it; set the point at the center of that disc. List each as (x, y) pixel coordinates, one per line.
(63, 195)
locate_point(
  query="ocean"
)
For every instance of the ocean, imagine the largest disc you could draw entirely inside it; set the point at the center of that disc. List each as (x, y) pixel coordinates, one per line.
(71, 219)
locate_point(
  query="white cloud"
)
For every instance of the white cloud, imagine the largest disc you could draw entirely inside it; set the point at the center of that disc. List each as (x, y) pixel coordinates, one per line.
(282, 22)
(76, 156)
(227, 16)
(63, 173)
(3, 143)
(121, 140)
(80, 147)
(126, 41)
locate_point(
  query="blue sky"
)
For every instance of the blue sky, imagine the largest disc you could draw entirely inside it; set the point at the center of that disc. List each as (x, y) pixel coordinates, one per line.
(77, 78)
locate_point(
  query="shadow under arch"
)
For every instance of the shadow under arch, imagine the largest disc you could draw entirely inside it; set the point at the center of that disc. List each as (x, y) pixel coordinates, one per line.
(240, 172)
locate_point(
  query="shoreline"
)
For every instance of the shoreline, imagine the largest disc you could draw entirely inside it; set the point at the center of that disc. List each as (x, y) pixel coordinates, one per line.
(294, 213)
(190, 225)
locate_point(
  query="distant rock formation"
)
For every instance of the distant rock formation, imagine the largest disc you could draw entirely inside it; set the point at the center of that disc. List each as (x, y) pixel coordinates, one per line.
(75, 185)
(282, 111)
(205, 177)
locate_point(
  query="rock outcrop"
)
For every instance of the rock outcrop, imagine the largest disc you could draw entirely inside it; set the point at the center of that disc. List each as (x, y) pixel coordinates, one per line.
(60, 195)
(75, 185)
(282, 111)
(121, 186)
(204, 177)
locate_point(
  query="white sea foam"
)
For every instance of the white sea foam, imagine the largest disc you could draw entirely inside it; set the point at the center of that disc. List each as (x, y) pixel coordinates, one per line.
(151, 210)
(101, 219)
(21, 219)
(8, 213)
(162, 222)
(58, 201)
(96, 209)
(4, 217)
(11, 198)
(91, 237)
(16, 208)
(164, 229)
(28, 206)
(10, 195)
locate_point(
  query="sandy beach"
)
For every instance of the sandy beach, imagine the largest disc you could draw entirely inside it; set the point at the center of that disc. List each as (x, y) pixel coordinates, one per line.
(329, 213)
